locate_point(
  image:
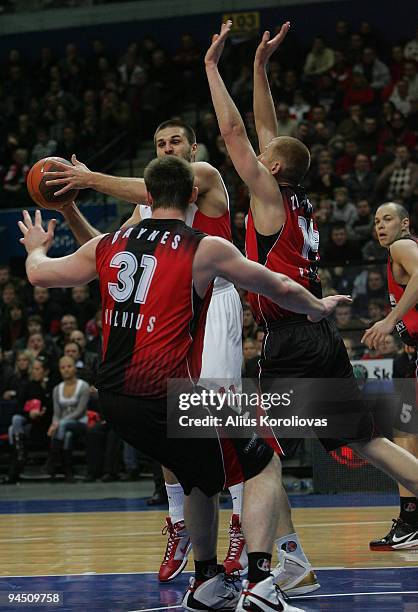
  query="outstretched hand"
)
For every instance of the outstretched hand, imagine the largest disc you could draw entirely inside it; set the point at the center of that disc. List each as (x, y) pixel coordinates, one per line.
(330, 303)
(34, 236)
(375, 335)
(214, 52)
(267, 47)
(72, 177)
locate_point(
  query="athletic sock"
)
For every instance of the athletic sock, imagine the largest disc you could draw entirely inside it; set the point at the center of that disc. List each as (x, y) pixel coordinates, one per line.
(204, 570)
(291, 544)
(259, 564)
(236, 494)
(175, 496)
(409, 510)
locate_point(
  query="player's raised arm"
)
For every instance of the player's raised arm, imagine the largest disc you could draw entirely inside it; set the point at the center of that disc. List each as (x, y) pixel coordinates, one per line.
(78, 176)
(259, 179)
(264, 109)
(218, 257)
(43, 271)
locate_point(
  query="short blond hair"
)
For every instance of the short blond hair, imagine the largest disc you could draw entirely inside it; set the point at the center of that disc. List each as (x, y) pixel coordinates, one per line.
(295, 157)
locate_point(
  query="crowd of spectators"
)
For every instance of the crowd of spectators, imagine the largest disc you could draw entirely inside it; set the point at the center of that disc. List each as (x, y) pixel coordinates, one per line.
(353, 100)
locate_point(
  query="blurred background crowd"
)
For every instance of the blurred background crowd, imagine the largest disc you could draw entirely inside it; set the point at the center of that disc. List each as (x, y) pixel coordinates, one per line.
(352, 99)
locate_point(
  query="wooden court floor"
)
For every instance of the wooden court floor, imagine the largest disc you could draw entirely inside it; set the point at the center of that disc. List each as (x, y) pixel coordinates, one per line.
(107, 542)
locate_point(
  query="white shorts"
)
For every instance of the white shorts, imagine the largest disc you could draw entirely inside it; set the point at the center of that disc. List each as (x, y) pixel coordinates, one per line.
(222, 348)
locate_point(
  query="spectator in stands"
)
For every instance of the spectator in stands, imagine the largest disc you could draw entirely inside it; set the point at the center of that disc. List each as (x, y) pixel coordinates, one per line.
(81, 305)
(369, 137)
(23, 368)
(85, 371)
(68, 324)
(14, 325)
(300, 107)
(362, 227)
(340, 250)
(350, 128)
(375, 289)
(359, 91)
(399, 180)
(345, 163)
(376, 72)
(319, 60)
(411, 48)
(325, 180)
(376, 310)
(286, 126)
(44, 146)
(249, 351)
(397, 63)
(396, 131)
(8, 294)
(70, 399)
(324, 217)
(89, 357)
(410, 74)
(14, 181)
(361, 182)
(34, 412)
(372, 250)
(344, 318)
(7, 380)
(47, 309)
(249, 326)
(401, 97)
(344, 210)
(355, 49)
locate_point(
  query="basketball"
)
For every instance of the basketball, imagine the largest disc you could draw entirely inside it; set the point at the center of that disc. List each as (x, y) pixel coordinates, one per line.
(43, 194)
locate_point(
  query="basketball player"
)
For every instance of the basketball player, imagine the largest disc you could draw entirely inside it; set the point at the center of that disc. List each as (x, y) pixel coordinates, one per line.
(147, 340)
(222, 354)
(392, 228)
(282, 236)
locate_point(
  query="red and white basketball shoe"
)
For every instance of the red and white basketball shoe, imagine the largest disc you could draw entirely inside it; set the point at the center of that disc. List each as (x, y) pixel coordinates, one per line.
(264, 596)
(236, 559)
(176, 552)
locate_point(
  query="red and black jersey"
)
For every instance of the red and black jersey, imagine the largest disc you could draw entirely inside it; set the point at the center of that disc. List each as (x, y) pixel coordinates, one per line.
(292, 251)
(407, 328)
(153, 319)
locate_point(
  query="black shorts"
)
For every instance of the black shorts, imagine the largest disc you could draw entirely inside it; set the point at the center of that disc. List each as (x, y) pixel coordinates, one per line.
(210, 464)
(299, 349)
(406, 419)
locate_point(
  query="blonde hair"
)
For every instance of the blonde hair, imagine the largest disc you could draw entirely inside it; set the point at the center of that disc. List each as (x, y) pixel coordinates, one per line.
(294, 156)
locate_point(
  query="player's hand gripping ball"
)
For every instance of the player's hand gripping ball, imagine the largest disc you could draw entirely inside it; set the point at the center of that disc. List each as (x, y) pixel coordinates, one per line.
(40, 192)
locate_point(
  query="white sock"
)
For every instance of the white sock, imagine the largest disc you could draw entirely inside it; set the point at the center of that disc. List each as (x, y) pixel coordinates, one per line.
(236, 494)
(291, 544)
(175, 496)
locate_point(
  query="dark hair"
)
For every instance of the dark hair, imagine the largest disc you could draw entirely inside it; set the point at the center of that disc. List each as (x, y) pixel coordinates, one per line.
(170, 181)
(188, 130)
(338, 225)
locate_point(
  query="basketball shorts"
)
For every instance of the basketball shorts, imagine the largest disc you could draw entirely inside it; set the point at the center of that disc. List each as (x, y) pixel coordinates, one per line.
(222, 347)
(298, 349)
(210, 464)
(406, 419)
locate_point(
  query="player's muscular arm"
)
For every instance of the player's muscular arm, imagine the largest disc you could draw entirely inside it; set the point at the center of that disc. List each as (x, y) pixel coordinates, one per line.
(267, 203)
(133, 219)
(264, 110)
(217, 257)
(78, 176)
(212, 199)
(405, 254)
